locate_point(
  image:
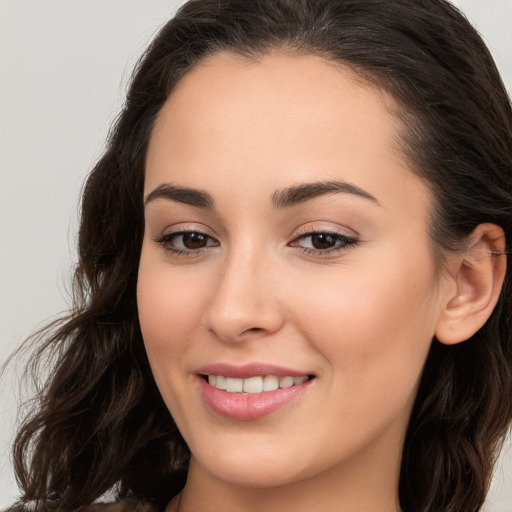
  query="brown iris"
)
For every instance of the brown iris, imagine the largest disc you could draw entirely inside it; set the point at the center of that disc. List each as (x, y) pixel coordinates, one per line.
(194, 240)
(323, 241)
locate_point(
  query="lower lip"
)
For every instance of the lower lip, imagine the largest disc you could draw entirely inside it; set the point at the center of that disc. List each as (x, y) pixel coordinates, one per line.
(249, 406)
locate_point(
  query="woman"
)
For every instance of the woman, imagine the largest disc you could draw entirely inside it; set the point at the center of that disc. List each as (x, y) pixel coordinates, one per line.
(292, 288)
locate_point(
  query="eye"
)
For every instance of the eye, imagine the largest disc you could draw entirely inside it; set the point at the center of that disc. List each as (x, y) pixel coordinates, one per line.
(184, 243)
(322, 243)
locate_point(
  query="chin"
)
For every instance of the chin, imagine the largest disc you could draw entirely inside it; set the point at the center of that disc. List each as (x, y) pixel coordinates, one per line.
(261, 477)
(253, 469)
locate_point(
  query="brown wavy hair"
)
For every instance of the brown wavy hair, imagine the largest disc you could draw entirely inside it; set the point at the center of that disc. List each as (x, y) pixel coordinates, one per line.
(99, 423)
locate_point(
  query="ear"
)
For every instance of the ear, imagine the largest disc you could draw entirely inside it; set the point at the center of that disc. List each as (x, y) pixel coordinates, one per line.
(478, 275)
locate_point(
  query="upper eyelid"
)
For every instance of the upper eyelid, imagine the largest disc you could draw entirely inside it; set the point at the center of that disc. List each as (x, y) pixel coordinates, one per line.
(176, 229)
(310, 232)
(180, 232)
(309, 229)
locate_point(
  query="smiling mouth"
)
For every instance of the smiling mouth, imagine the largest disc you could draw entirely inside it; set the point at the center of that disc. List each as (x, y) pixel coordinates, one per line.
(254, 385)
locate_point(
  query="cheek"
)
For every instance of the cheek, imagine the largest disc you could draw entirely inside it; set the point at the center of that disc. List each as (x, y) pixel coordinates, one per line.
(169, 306)
(169, 314)
(373, 326)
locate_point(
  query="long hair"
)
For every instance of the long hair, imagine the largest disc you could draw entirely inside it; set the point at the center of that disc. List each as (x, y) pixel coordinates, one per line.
(100, 423)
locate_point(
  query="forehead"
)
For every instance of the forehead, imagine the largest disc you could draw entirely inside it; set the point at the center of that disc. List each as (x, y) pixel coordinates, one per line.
(276, 121)
(308, 95)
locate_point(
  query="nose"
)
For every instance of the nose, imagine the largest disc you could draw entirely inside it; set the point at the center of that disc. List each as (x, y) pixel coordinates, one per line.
(244, 303)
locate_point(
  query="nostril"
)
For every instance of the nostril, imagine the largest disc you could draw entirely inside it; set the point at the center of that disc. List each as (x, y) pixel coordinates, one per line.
(253, 330)
(241, 321)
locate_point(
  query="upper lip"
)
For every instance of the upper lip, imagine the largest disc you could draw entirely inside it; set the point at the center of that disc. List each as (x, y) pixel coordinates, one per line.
(248, 370)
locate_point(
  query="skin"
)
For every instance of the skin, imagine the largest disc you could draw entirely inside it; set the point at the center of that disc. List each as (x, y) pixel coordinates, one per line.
(360, 319)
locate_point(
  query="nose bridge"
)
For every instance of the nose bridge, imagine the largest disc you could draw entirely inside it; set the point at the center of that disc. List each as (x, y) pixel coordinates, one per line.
(243, 302)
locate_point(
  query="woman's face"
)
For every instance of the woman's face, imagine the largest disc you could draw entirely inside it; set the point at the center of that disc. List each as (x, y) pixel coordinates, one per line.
(286, 242)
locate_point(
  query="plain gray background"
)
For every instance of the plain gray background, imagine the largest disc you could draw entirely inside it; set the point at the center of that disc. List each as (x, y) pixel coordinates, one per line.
(64, 65)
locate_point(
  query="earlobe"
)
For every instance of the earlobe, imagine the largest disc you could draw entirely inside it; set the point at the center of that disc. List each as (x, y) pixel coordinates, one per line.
(478, 274)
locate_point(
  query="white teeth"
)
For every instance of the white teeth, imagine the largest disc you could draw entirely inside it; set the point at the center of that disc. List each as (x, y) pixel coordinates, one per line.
(286, 382)
(253, 385)
(270, 383)
(220, 382)
(234, 385)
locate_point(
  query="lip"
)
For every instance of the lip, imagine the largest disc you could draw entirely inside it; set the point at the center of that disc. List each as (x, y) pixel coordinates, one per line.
(246, 407)
(248, 370)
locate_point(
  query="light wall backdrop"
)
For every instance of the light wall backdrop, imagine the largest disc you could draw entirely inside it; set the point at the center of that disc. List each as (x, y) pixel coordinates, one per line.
(64, 66)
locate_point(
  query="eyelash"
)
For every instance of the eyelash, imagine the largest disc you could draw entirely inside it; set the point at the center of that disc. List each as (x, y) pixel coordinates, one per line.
(166, 241)
(342, 243)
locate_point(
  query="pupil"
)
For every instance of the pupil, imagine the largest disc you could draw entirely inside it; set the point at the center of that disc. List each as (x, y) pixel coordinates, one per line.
(194, 240)
(323, 241)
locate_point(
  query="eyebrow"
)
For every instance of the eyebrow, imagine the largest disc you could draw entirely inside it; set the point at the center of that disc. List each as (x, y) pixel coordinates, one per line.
(298, 194)
(281, 199)
(190, 196)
